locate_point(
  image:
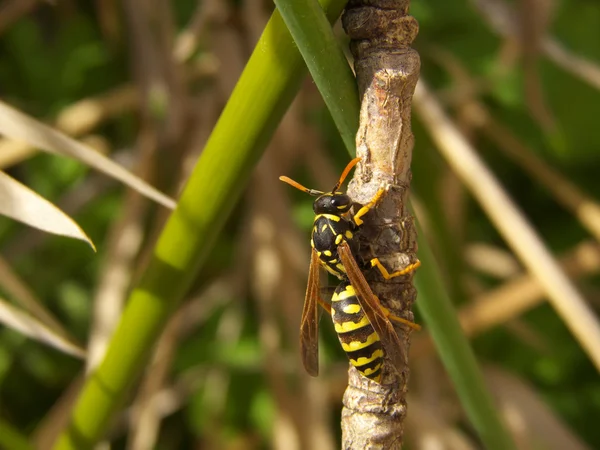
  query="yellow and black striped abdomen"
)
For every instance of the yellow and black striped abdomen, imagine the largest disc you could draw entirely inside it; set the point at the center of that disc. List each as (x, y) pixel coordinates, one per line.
(358, 338)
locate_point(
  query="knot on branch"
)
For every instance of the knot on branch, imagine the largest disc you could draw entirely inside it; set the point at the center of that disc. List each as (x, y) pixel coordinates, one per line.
(372, 28)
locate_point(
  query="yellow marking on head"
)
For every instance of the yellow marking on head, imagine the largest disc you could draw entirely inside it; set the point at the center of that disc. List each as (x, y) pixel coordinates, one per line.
(338, 239)
(312, 243)
(344, 327)
(363, 361)
(349, 234)
(342, 206)
(368, 371)
(333, 261)
(324, 227)
(327, 253)
(332, 217)
(318, 254)
(357, 345)
(351, 309)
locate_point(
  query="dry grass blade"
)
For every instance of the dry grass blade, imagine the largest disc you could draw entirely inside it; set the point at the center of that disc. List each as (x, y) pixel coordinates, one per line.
(28, 326)
(517, 296)
(491, 260)
(502, 19)
(521, 294)
(12, 284)
(566, 192)
(510, 222)
(147, 414)
(426, 429)
(533, 423)
(18, 126)
(75, 120)
(21, 203)
(577, 65)
(582, 205)
(124, 244)
(27, 240)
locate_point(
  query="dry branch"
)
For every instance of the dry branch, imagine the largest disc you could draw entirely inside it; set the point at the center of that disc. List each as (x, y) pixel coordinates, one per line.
(387, 70)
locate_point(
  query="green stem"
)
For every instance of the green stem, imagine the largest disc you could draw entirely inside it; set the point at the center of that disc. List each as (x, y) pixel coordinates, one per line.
(326, 63)
(456, 353)
(264, 92)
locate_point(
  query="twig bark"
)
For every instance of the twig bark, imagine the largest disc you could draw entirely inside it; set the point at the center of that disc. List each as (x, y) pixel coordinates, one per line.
(387, 70)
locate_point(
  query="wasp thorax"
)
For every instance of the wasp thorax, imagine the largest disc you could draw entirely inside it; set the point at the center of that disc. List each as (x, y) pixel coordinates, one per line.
(332, 203)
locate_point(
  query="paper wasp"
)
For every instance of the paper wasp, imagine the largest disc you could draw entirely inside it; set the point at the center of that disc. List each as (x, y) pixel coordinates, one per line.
(362, 324)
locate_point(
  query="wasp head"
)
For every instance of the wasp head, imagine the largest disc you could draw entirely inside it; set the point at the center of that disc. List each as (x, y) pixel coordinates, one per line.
(332, 203)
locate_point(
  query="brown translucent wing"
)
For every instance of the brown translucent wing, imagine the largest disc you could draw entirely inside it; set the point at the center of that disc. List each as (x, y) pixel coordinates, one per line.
(372, 308)
(309, 326)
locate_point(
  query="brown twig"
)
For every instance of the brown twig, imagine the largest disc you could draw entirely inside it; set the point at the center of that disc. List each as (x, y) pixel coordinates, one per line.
(387, 70)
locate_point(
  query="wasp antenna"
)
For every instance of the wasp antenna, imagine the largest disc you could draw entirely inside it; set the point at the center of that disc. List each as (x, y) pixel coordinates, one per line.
(345, 173)
(299, 186)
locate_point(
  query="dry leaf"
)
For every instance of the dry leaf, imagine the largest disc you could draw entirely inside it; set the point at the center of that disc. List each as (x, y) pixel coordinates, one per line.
(16, 125)
(28, 326)
(21, 203)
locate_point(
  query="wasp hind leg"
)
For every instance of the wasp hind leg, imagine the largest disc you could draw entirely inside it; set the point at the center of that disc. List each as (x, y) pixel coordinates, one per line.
(403, 321)
(400, 320)
(385, 274)
(326, 306)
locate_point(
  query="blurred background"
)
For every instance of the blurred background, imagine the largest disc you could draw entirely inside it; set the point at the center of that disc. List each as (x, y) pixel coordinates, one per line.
(144, 81)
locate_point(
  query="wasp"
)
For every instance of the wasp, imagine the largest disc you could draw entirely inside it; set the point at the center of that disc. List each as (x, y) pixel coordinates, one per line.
(362, 324)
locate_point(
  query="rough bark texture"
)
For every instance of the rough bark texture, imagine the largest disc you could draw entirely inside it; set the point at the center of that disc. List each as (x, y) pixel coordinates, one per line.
(387, 70)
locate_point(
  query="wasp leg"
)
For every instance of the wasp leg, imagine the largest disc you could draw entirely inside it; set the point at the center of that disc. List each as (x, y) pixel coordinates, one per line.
(365, 209)
(376, 263)
(394, 318)
(326, 306)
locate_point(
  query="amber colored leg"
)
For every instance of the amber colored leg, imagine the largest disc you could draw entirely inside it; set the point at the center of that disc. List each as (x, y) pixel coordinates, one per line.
(401, 320)
(408, 323)
(326, 306)
(365, 209)
(376, 263)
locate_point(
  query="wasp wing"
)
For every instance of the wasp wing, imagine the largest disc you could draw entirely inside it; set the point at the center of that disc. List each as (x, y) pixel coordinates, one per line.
(309, 326)
(372, 308)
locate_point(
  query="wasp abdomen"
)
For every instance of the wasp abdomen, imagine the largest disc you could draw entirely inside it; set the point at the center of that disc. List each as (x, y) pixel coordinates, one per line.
(358, 338)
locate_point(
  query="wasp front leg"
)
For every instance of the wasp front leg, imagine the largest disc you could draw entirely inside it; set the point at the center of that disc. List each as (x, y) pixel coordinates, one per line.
(366, 208)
